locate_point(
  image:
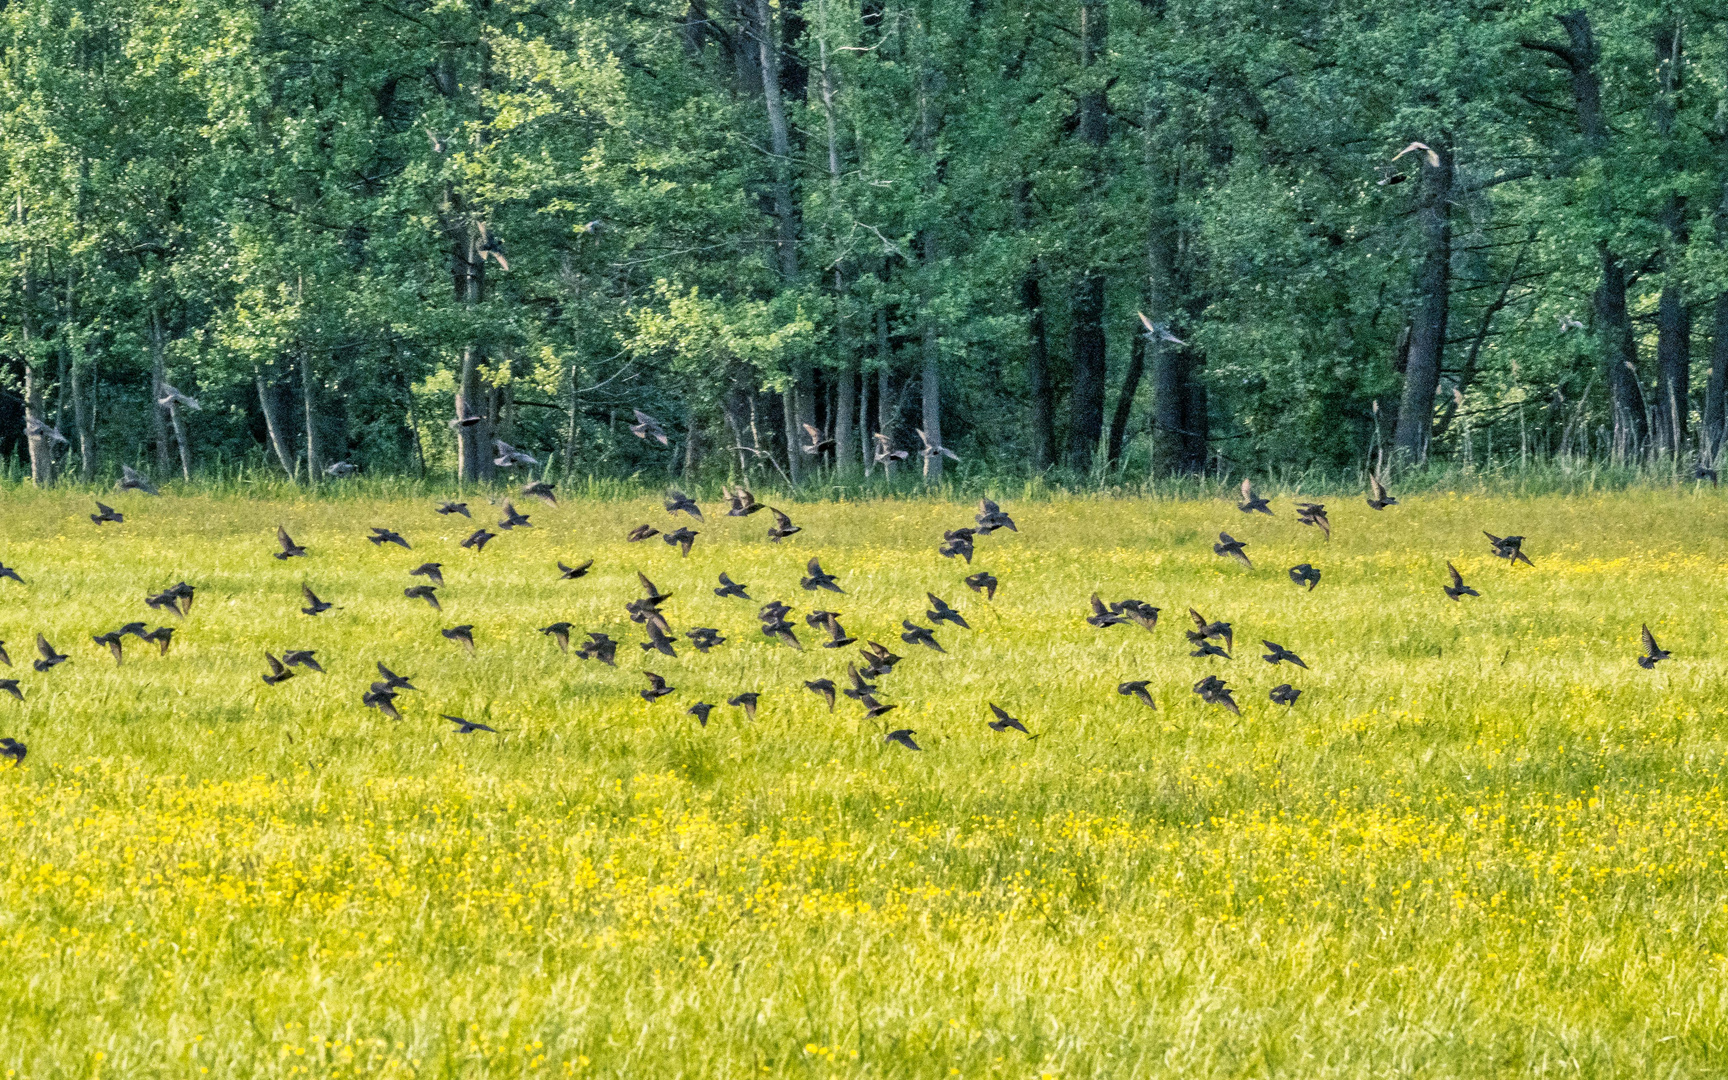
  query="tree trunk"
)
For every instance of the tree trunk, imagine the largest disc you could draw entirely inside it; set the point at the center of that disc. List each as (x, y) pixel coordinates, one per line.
(1042, 412)
(845, 412)
(885, 397)
(269, 406)
(309, 405)
(159, 350)
(846, 465)
(1619, 349)
(1125, 398)
(930, 375)
(78, 363)
(691, 451)
(1086, 398)
(1673, 318)
(1196, 418)
(800, 397)
(158, 376)
(1428, 335)
(1714, 391)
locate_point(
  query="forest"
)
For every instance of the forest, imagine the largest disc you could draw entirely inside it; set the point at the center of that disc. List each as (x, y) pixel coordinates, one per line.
(1095, 239)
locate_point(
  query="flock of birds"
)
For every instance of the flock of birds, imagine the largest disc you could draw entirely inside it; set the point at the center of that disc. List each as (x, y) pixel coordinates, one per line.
(1210, 638)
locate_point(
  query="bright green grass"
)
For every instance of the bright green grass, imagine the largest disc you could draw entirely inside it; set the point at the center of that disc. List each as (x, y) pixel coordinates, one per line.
(1484, 843)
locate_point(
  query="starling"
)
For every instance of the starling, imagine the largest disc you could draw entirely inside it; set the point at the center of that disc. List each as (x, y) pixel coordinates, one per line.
(512, 519)
(305, 658)
(1457, 589)
(1380, 499)
(106, 513)
(1303, 574)
(278, 672)
(393, 681)
(740, 503)
(1203, 629)
(885, 451)
(541, 490)
(463, 635)
(781, 630)
(432, 571)
(1137, 690)
(676, 500)
(920, 635)
(782, 527)
(657, 640)
(1278, 654)
(657, 688)
(1229, 545)
(14, 749)
(383, 699)
(837, 638)
(652, 591)
(478, 539)
(903, 737)
(824, 687)
(818, 579)
(704, 638)
(957, 542)
(932, 449)
(1510, 548)
(426, 593)
(599, 647)
(1652, 652)
(646, 427)
(1003, 721)
(454, 507)
(1284, 694)
(641, 532)
(880, 660)
(10, 686)
(1213, 691)
(571, 573)
(8, 572)
(1102, 617)
(559, 632)
(728, 587)
(681, 539)
(133, 480)
(385, 536)
(162, 636)
(817, 443)
(467, 727)
(941, 613)
(983, 582)
(1314, 514)
(747, 702)
(1252, 503)
(49, 657)
(990, 518)
(700, 711)
(1138, 612)
(289, 548)
(112, 640)
(314, 606)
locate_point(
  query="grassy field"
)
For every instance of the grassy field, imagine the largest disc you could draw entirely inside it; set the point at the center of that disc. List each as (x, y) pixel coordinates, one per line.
(1483, 843)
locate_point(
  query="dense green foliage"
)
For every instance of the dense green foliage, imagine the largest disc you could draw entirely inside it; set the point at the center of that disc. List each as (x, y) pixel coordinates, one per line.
(896, 215)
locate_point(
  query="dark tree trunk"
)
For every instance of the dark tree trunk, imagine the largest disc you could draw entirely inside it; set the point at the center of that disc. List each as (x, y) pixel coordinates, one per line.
(1196, 418)
(1086, 399)
(930, 373)
(1043, 411)
(309, 408)
(885, 399)
(845, 414)
(1428, 334)
(1125, 398)
(1619, 350)
(1717, 387)
(1673, 318)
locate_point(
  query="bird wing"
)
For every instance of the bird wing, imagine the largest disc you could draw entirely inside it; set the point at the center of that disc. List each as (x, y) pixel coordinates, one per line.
(1199, 619)
(1000, 715)
(1650, 645)
(646, 584)
(780, 519)
(276, 667)
(44, 648)
(311, 597)
(1457, 578)
(283, 538)
(655, 681)
(1378, 488)
(1247, 486)
(815, 568)
(1098, 607)
(815, 436)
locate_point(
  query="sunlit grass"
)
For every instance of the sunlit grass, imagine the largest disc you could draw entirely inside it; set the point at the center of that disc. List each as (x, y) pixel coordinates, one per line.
(1484, 842)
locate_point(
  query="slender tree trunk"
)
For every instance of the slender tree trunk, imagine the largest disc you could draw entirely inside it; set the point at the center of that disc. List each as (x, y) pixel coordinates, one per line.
(1167, 360)
(1125, 398)
(309, 406)
(1717, 388)
(158, 376)
(1086, 397)
(930, 372)
(1673, 318)
(691, 450)
(78, 362)
(1428, 335)
(800, 407)
(885, 411)
(158, 351)
(845, 412)
(268, 405)
(846, 464)
(1042, 412)
(1619, 349)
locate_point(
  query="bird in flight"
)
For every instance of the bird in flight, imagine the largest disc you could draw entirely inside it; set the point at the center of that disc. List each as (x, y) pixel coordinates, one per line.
(1457, 589)
(1380, 499)
(819, 579)
(782, 527)
(431, 571)
(983, 582)
(426, 593)
(677, 501)
(1004, 722)
(455, 507)
(903, 737)
(467, 727)
(386, 536)
(1229, 545)
(106, 513)
(290, 549)
(1304, 574)
(1252, 503)
(1653, 653)
(571, 573)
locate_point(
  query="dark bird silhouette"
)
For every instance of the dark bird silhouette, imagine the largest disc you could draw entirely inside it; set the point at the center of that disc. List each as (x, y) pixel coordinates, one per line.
(990, 518)
(306, 658)
(1510, 548)
(478, 539)
(983, 582)
(278, 672)
(10, 686)
(781, 630)
(1278, 654)
(393, 681)
(957, 542)
(932, 450)
(823, 687)
(1003, 721)
(509, 457)
(885, 451)
(382, 698)
(133, 480)
(817, 443)
(704, 638)
(874, 708)
(1380, 499)
(513, 519)
(1457, 589)
(1652, 652)
(14, 749)
(700, 711)
(1213, 691)
(163, 636)
(463, 635)
(1229, 545)
(657, 640)
(136, 629)
(819, 579)
(747, 702)
(859, 686)
(1138, 612)
(920, 635)
(1206, 648)
(728, 587)
(681, 539)
(4, 658)
(782, 527)
(903, 737)
(8, 572)
(940, 612)
(290, 549)
(112, 640)
(678, 501)
(455, 507)
(878, 660)
(1303, 574)
(571, 573)
(1314, 514)
(314, 606)
(1252, 503)
(646, 427)
(541, 490)
(657, 687)
(740, 503)
(599, 647)
(106, 513)
(49, 657)
(386, 536)
(651, 591)
(1284, 694)
(467, 727)
(1102, 617)
(559, 632)
(641, 532)
(837, 638)
(432, 571)
(1204, 629)
(426, 593)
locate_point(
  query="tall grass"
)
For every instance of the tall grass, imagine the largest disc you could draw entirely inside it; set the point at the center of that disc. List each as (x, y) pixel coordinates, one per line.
(1483, 842)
